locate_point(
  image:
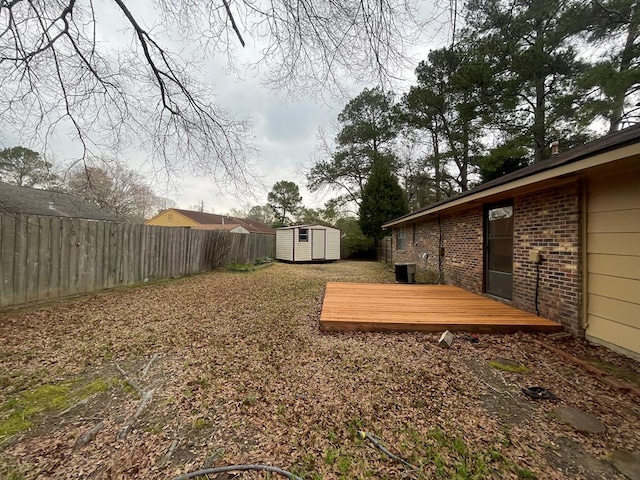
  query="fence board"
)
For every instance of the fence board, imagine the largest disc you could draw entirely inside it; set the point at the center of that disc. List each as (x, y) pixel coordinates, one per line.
(74, 255)
(65, 255)
(20, 266)
(51, 257)
(82, 241)
(7, 244)
(54, 261)
(98, 260)
(33, 251)
(91, 252)
(44, 257)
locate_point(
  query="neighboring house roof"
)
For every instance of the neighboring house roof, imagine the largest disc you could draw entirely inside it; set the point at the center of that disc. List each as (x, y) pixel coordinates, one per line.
(228, 227)
(30, 201)
(213, 219)
(626, 142)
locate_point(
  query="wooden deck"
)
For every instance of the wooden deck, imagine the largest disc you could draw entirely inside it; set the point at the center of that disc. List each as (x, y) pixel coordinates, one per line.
(425, 308)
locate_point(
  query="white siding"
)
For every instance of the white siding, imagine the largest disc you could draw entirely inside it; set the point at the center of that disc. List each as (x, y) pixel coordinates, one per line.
(284, 245)
(613, 262)
(290, 248)
(302, 250)
(333, 244)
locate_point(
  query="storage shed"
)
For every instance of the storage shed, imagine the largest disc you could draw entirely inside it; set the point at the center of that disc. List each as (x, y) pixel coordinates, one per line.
(307, 243)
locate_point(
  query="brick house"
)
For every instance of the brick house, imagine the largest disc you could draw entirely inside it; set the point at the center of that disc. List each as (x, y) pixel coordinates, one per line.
(560, 238)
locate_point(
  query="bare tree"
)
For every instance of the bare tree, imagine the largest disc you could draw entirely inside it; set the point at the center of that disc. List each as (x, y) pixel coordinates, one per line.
(114, 187)
(58, 69)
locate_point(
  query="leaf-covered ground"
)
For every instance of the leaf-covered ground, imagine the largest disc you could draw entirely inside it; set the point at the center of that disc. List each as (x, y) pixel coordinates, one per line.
(240, 373)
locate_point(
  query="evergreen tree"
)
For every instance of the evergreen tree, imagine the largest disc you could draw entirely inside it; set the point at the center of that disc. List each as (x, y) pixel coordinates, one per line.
(614, 80)
(368, 129)
(531, 49)
(383, 199)
(285, 200)
(449, 102)
(25, 168)
(506, 158)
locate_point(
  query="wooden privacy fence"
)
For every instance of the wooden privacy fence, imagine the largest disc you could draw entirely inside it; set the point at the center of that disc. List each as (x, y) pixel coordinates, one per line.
(385, 254)
(49, 257)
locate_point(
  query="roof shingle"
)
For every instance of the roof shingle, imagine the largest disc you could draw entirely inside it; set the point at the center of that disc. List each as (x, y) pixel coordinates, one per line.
(213, 219)
(30, 201)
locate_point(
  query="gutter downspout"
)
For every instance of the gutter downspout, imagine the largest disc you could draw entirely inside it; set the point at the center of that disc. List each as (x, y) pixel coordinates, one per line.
(583, 189)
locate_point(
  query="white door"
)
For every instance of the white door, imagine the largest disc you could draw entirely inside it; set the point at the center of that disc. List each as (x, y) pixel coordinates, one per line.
(318, 244)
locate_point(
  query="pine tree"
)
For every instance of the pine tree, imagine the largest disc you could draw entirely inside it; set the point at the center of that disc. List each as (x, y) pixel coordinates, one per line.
(383, 199)
(535, 63)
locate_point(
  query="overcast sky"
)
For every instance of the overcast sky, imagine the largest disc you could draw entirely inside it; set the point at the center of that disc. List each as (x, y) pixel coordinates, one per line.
(285, 130)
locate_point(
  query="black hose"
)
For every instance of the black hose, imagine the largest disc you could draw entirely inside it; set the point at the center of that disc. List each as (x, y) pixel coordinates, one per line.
(537, 285)
(238, 468)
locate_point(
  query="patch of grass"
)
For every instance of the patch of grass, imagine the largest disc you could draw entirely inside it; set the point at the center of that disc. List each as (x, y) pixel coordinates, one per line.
(508, 368)
(331, 455)
(525, 473)
(354, 425)
(200, 423)
(25, 407)
(624, 373)
(453, 458)
(240, 267)
(250, 399)
(343, 464)
(264, 260)
(9, 472)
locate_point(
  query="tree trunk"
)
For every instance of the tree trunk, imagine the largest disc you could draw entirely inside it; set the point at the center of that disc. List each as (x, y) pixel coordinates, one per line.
(464, 168)
(625, 63)
(436, 165)
(539, 127)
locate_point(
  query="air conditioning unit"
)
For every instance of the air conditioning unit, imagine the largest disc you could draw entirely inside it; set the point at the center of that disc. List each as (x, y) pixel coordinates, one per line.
(405, 272)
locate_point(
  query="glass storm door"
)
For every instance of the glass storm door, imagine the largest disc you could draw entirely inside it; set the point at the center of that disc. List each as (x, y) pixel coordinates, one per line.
(499, 251)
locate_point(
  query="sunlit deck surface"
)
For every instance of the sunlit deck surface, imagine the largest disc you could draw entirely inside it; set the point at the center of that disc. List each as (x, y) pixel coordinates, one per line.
(424, 308)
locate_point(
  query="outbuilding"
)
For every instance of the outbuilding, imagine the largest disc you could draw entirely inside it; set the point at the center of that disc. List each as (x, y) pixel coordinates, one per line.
(307, 243)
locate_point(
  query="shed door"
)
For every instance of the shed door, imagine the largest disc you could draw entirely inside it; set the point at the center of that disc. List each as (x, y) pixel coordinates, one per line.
(499, 251)
(613, 261)
(318, 244)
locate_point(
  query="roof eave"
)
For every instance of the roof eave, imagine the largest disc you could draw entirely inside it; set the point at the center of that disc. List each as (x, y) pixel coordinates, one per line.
(569, 168)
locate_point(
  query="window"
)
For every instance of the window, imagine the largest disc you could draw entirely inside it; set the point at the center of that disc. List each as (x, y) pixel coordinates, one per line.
(303, 234)
(401, 238)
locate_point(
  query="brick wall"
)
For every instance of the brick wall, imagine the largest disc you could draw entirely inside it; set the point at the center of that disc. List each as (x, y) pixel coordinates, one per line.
(462, 238)
(547, 221)
(462, 242)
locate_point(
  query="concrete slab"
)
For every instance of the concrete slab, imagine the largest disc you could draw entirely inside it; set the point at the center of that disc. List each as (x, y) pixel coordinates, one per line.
(581, 421)
(626, 463)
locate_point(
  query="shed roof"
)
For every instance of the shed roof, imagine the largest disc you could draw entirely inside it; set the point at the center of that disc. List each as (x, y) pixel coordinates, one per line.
(574, 160)
(308, 225)
(30, 201)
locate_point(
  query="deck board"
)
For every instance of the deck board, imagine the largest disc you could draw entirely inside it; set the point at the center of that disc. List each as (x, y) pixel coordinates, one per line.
(426, 308)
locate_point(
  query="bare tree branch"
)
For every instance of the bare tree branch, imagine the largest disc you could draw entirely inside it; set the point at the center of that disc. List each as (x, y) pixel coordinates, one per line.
(61, 74)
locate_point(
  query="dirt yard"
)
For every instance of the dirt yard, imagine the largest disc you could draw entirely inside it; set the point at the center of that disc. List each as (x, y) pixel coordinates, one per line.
(230, 368)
